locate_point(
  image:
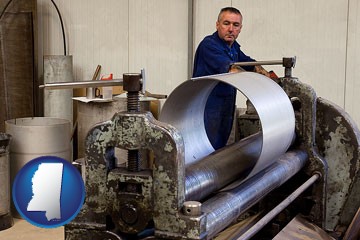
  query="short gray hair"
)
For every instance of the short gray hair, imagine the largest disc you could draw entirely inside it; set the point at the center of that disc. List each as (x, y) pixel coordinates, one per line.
(229, 9)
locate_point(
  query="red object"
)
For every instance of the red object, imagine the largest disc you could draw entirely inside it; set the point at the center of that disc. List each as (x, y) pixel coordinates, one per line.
(107, 77)
(273, 75)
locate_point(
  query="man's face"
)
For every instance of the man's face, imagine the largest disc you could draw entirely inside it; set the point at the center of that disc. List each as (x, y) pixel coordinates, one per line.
(229, 26)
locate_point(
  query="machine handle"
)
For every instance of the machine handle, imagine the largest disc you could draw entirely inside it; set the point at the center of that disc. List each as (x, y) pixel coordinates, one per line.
(285, 62)
(82, 84)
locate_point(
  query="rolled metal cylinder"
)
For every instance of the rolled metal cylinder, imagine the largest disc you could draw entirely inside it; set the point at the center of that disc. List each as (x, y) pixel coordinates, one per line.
(185, 106)
(226, 206)
(58, 104)
(222, 167)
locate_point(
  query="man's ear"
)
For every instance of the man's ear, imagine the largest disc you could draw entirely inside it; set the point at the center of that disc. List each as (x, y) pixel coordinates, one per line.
(217, 25)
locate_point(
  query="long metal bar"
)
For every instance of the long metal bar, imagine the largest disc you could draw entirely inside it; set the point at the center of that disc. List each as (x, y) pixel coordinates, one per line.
(222, 167)
(227, 206)
(270, 62)
(82, 84)
(274, 212)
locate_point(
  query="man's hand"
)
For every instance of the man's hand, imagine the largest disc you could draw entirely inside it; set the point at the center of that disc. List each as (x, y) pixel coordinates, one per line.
(271, 74)
(236, 69)
(258, 69)
(261, 70)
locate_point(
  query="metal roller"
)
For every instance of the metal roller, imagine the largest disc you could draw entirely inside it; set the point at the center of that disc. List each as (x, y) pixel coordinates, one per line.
(184, 109)
(222, 167)
(226, 206)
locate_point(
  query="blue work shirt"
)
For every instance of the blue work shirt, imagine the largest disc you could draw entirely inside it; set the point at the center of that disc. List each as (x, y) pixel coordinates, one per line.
(214, 56)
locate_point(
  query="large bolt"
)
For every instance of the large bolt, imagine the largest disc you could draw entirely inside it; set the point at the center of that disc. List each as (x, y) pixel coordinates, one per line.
(289, 64)
(134, 160)
(133, 85)
(129, 214)
(192, 208)
(131, 82)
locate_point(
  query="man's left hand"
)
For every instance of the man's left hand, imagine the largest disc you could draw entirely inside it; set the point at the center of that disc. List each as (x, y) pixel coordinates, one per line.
(261, 70)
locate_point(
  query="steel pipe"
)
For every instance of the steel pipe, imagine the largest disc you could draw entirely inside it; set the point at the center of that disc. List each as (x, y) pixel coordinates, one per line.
(226, 206)
(222, 167)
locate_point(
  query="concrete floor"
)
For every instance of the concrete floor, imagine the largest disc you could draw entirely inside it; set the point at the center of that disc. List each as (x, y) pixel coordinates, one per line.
(24, 230)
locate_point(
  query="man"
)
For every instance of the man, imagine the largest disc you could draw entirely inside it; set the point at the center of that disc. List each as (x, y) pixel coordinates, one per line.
(214, 55)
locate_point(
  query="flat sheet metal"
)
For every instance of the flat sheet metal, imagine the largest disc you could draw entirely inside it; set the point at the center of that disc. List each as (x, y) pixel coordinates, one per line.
(301, 229)
(184, 109)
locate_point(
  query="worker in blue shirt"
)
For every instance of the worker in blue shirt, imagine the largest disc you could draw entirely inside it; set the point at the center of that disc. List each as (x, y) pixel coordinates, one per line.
(214, 55)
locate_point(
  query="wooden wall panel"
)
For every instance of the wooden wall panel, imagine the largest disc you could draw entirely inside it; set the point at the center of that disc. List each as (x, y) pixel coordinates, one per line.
(18, 81)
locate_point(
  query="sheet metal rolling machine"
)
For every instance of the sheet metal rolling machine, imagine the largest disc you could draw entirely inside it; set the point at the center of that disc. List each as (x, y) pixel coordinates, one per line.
(298, 156)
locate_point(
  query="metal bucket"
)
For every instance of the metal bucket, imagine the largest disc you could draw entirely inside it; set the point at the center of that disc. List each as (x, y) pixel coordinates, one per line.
(35, 137)
(6, 220)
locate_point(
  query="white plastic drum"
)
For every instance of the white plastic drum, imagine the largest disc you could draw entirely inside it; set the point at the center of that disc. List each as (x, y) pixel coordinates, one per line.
(35, 137)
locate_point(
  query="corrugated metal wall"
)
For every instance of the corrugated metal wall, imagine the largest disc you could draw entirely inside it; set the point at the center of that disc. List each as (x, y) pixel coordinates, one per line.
(127, 35)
